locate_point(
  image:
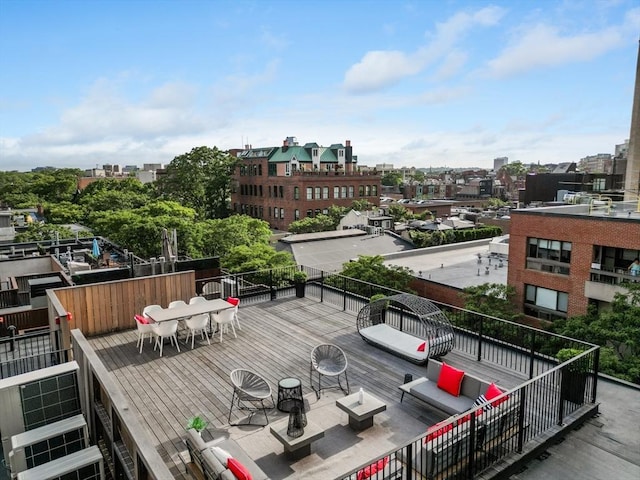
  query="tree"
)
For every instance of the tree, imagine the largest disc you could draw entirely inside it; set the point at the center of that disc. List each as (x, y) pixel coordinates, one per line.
(362, 205)
(515, 169)
(418, 176)
(616, 330)
(372, 269)
(391, 179)
(399, 213)
(250, 258)
(319, 223)
(496, 203)
(36, 232)
(220, 236)
(200, 179)
(63, 212)
(494, 299)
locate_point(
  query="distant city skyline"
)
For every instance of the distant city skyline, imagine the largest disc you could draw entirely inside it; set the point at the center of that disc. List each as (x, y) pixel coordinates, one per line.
(416, 84)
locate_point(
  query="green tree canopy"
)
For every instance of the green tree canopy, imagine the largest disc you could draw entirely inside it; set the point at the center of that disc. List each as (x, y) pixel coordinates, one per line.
(200, 179)
(616, 330)
(399, 213)
(373, 270)
(36, 232)
(319, 223)
(29, 189)
(249, 258)
(391, 179)
(493, 299)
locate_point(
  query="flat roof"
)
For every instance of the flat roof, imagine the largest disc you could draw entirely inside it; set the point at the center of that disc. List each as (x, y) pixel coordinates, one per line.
(455, 265)
(618, 210)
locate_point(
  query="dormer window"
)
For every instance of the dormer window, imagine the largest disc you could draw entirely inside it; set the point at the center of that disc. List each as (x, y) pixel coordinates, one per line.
(314, 152)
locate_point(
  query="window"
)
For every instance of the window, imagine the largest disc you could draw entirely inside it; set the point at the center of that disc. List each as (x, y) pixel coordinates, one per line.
(260, 169)
(599, 184)
(350, 191)
(315, 152)
(367, 190)
(343, 191)
(260, 190)
(282, 213)
(276, 212)
(296, 214)
(361, 191)
(287, 169)
(309, 193)
(336, 192)
(545, 303)
(325, 211)
(296, 193)
(273, 169)
(309, 213)
(552, 256)
(281, 189)
(317, 193)
(374, 190)
(325, 193)
(317, 212)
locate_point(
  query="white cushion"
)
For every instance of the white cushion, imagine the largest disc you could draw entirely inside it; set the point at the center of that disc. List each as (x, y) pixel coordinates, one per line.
(395, 340)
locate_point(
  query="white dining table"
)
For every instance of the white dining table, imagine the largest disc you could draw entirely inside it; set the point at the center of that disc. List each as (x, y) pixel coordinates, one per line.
(210, 306)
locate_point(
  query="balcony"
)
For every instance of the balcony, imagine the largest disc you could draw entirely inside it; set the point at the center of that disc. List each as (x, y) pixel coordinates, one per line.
(278, 333)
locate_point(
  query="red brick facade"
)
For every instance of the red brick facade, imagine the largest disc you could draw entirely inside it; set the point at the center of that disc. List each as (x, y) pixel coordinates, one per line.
(583, 232)
(279, 195)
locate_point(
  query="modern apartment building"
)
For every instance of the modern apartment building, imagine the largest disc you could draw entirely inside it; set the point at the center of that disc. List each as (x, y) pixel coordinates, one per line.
(564, 258)
(291, 182)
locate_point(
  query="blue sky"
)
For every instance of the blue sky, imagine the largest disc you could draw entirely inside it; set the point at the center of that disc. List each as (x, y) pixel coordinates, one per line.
(419, 83)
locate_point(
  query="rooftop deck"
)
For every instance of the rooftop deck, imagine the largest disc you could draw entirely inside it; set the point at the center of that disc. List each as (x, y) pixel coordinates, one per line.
(275, 341)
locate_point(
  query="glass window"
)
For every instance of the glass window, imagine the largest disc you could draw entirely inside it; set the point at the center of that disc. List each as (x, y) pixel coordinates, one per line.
(367, 190)
(361, 191)
(374, 190)
(350, 191)
(296, 193)
(325, 193)
(309, 213)
(281, 189)
(336, 192)
(309, 193)
(317, 193)
(296, 214)
(343, 191)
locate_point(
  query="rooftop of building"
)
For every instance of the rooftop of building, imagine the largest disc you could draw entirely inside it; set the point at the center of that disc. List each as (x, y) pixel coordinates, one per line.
(330, 250)
(600, 208)
(457, 265)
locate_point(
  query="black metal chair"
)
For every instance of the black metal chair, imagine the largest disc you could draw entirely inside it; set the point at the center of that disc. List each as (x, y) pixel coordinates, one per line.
(250, 388)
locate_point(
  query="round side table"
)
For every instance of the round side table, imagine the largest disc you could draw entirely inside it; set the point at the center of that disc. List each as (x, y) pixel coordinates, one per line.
(289, 393)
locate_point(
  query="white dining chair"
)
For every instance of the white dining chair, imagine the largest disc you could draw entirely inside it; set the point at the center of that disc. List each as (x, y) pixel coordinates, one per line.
(198, 299)
(145, 330)
(150, 308)
(236, 303)
(164, 330)
(197, 324)
(223, 319)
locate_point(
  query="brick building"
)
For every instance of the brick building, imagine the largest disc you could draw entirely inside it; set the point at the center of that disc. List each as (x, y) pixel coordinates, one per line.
(291, 182)
(563, 258)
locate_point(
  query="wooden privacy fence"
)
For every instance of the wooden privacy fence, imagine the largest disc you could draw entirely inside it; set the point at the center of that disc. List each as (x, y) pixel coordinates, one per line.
(108, 307)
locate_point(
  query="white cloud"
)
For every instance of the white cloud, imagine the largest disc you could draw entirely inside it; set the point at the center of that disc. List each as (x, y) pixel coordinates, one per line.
(539, 46)
(380, 69)
(451, 65)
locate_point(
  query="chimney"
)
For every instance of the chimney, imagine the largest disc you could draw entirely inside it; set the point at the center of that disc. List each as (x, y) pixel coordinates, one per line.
(348, 143)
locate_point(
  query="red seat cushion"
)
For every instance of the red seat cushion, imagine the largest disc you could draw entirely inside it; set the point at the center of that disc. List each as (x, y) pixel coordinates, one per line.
(436, 430)
(239, 470)
(450, 379)
(422, 347)
(372, 469)
(233, 301)
(141, 319)
(492, 392)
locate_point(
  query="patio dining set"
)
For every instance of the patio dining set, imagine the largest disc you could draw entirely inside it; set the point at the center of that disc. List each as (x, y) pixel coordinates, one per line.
(196, 317)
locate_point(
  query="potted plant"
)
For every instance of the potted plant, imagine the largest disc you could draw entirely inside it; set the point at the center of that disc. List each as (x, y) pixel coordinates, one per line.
(574, 375)
(197, 423)
(300, 280)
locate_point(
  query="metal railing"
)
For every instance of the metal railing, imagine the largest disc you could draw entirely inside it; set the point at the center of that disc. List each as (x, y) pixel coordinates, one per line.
(471, 442)
(23, 353)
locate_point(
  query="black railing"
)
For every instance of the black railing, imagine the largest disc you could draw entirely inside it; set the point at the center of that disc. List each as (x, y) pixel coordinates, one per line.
(23, 353)
(471, 442)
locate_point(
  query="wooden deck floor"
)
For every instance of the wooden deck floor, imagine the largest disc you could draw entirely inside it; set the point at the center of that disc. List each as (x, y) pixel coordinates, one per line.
(276, 340)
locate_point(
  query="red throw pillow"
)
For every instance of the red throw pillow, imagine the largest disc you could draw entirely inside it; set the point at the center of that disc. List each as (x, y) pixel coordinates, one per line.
(372, 469)
(492, 392)
(422, 347)
(239, 470)
(233, 301)
(141, 319)
(450, 379)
